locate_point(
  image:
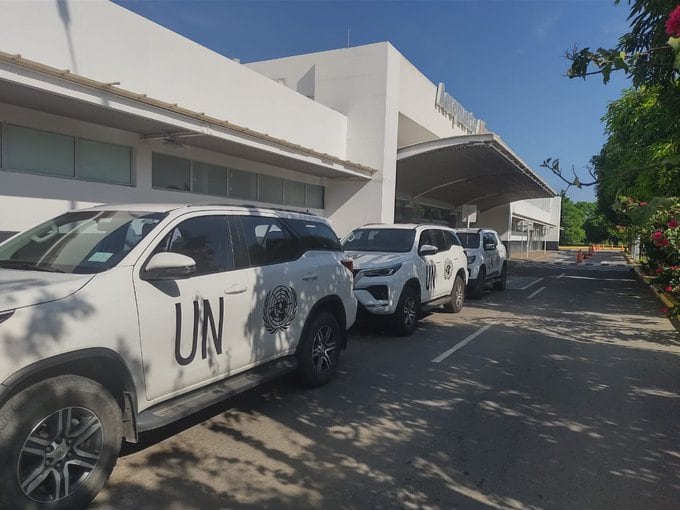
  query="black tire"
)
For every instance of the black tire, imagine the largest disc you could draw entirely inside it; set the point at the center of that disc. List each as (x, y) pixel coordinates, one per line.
(319, 351)
(500, 284)
(403, 320)
(66, 424)
(477, 286)
(455, 305)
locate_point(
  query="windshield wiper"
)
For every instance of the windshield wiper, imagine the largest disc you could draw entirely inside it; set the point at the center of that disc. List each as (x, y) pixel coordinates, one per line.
(27, 266)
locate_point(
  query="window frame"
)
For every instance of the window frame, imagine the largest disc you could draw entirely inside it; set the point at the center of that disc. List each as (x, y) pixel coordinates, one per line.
(4, 165)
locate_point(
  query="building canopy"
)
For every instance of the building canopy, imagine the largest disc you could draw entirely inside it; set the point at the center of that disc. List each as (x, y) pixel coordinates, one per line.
(472, 169)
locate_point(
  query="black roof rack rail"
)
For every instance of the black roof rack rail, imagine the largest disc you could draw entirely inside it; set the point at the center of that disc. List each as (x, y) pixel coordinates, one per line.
(251, 206)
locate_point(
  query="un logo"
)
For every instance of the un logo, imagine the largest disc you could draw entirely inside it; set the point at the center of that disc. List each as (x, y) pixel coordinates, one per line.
(280, 308)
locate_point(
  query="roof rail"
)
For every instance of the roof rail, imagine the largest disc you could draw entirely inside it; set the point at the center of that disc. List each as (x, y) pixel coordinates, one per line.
(251, 206)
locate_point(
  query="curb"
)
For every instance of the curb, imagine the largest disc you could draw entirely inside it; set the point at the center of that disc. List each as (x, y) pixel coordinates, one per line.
(661, 295)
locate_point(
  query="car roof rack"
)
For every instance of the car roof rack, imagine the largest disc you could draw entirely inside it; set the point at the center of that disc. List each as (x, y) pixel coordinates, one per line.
(252, 206)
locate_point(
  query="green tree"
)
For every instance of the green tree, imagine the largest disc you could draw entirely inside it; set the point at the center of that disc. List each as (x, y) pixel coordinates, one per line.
(571, 223)
(637, 159)
(642, 155)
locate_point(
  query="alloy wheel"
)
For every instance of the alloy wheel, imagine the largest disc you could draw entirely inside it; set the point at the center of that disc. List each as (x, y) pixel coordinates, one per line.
(59, 454)
(409, 311)
(323, 349)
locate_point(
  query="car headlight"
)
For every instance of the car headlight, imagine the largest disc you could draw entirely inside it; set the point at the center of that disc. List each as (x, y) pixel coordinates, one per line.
(471, 259)
(383, 271)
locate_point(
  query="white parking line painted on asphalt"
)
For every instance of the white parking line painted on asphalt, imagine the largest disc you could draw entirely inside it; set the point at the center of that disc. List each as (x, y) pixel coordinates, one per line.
(560, 276)
(461, 344)
(532, 283)
(535, 292)
(600, 279)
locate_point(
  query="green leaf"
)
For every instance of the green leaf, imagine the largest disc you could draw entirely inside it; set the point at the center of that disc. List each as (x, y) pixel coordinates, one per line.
(674, 42)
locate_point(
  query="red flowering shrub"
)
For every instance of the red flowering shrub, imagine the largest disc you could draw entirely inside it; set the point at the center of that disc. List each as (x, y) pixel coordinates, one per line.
(673, 23)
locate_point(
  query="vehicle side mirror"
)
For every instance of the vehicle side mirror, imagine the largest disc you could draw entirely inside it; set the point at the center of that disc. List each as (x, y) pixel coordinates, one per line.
(489, 246)
(169, 266)
(428, 249)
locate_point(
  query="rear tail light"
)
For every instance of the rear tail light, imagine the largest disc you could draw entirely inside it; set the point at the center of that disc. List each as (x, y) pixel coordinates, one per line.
(349, 264)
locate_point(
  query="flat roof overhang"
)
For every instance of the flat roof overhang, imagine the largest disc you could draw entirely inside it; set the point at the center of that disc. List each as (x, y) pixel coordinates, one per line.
(36, 86)
(470, 169)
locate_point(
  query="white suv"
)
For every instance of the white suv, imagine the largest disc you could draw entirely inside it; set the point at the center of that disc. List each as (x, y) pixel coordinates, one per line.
(120, 319)
(399, 268)
(487, 259)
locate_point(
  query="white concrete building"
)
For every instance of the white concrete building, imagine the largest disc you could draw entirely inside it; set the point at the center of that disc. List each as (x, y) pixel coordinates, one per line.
(98, 104)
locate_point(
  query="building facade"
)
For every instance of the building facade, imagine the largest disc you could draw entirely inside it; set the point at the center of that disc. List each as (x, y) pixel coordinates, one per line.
(356, 134)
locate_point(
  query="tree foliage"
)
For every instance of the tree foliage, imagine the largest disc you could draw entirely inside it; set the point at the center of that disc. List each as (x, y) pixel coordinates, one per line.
(582, 223)
(646, 53)
(641, 157)
(642, 152)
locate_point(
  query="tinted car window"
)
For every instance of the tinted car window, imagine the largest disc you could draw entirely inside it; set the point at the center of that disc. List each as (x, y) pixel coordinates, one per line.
(440, 241)
(268, 241)
(451, 238)
(315, 235)
(392, 240)
(205, 239)
(489, 238)
(469, 239)
(426, 238)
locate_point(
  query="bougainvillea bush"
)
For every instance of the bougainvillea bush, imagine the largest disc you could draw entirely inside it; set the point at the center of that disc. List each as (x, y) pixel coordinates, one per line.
(661, 244)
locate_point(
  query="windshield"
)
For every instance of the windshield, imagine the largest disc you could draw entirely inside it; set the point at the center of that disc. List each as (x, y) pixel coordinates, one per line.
(78, 242)
(398, 240)
(468, 239)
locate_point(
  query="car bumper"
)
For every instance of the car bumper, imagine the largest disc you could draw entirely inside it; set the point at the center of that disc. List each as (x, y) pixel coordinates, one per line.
(374, 306)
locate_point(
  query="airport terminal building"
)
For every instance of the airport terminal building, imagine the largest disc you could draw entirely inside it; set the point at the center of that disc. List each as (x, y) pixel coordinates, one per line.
(98, 104)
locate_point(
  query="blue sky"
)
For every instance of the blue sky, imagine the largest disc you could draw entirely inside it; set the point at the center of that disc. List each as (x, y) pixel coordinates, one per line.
(503, 60)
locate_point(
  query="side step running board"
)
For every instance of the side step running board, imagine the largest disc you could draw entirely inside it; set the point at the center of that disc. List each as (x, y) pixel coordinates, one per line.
(436, 302)
(184, 405)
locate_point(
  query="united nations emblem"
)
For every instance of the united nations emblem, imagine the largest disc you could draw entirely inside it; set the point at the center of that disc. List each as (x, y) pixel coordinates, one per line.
(280, 308)
(448, 269)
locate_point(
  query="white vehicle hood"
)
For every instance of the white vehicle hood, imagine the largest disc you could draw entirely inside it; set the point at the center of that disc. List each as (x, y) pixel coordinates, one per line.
(19, 289)
(375, 260)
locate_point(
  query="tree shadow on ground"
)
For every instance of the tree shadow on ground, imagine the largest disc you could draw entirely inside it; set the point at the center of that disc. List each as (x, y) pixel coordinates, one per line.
(562, 407)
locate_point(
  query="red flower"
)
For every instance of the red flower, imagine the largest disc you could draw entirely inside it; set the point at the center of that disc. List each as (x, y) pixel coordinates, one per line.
(669, 288)
(659, 270)
(642, 204)
(664, 310)
(657, 235)
(673, 23)
(673, 223)
(664, 242)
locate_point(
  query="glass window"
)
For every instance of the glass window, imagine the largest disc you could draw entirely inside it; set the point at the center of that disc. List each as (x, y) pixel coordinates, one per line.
(426, 238)
(242, 184)
(210, 179)
(78, 242)
(170, 172)
(268, 241)
(315, 235)
(489, 239)
(392, 240)
(315, 196)
(294, 193)
(39, 151)
(451, 238)
(104, 162)
(270, 189)
(439, 241)
(469, 239)
(203, 238)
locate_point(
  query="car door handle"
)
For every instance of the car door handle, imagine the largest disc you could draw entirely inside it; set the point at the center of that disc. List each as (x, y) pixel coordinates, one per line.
(310, 276)
(236, 289)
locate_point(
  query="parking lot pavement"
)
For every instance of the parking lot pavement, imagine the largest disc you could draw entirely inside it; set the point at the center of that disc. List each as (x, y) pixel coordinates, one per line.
(565, 393)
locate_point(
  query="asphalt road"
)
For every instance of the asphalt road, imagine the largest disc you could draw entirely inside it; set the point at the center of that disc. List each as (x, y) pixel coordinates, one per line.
(568, 397)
